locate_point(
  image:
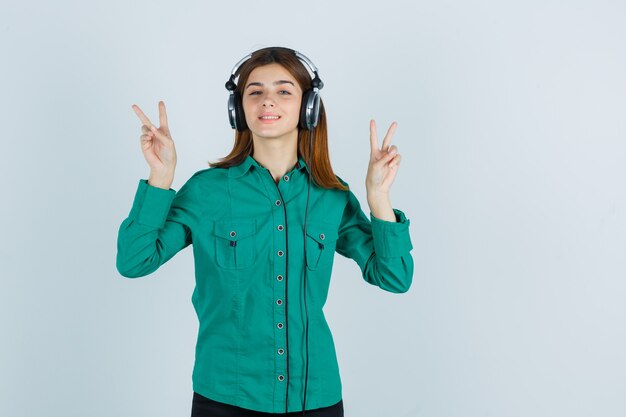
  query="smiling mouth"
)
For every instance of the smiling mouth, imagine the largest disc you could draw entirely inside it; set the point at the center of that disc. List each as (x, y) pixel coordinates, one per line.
(269, 119)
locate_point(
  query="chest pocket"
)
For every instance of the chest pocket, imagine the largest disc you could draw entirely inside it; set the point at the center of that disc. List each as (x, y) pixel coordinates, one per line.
(320, 245)
(235, 246)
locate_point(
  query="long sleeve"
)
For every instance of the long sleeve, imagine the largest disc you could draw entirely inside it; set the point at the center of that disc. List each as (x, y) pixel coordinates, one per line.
(155, 230)
(380, 248)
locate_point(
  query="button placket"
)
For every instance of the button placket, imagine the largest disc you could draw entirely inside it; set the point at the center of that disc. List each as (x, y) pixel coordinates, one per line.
(279, 301)
(279, 250)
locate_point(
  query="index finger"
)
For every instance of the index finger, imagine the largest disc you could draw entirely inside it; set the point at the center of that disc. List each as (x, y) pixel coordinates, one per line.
(144, 119)
(373, 136)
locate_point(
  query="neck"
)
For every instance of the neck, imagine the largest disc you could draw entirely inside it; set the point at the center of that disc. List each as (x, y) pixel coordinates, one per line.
(278, 155)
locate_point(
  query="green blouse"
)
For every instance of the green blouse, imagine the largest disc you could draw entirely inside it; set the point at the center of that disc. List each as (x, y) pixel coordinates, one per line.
(248, 245)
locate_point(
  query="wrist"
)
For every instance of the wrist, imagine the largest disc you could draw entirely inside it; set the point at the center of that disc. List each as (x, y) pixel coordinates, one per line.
(378, 198)
(382, 210)
(160, 182)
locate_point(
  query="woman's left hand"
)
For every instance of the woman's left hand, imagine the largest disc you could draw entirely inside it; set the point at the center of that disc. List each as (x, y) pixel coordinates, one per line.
(384, 163)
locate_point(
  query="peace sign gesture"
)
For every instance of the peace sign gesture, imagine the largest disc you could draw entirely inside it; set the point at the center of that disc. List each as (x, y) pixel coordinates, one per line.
(383, 164)
(158, 148)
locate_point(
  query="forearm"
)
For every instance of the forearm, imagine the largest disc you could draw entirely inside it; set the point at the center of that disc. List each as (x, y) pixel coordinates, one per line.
(151, 234)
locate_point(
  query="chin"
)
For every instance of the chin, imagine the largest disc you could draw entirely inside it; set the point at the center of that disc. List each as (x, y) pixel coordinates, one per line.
(273, 133)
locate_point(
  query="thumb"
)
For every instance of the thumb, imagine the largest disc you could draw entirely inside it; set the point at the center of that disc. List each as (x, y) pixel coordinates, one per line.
(159, 135)
(387, 156)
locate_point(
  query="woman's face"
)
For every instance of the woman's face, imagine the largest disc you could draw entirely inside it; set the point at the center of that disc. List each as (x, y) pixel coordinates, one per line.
(271, 102)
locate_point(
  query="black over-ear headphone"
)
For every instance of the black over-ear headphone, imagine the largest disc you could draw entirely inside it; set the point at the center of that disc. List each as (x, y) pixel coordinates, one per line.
(309, 109)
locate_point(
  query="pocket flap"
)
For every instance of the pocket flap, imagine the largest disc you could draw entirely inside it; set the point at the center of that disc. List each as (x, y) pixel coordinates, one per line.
(321, 232)
(234, 230)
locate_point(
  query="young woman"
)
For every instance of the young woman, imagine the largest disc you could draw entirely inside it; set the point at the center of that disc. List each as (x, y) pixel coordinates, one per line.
(265, 223)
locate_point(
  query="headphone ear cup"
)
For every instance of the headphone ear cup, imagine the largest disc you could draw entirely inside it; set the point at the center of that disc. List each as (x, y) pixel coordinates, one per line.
(315, 111)
(240, 117)
(310, 109)
(232, 119)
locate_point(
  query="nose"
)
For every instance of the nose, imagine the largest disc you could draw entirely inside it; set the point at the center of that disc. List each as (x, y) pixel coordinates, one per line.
(268, 102)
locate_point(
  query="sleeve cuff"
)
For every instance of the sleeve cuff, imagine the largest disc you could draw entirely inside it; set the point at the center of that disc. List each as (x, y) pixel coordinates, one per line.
(152, 204)
(391, 239)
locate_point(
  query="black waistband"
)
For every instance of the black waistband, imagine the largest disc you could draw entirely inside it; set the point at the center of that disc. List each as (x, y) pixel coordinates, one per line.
(205, 407)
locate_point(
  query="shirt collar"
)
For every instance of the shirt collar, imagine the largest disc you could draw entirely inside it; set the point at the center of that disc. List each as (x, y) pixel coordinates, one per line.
(241, 169)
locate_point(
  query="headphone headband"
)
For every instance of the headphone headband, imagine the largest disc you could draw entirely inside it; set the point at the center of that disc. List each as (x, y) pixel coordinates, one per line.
(300, 56)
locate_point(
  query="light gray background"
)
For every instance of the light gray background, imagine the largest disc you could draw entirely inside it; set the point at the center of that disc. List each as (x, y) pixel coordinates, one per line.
(512, 132)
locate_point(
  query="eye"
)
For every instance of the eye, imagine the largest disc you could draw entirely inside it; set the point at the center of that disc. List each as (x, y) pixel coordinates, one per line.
(284, 92)
(255, 93)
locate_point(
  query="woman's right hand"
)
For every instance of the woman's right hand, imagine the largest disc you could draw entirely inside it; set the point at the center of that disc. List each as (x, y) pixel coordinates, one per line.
(158, 148)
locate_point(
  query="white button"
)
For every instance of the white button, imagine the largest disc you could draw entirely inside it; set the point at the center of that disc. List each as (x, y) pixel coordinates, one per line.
(281, 378)
(286, 177)
(281, 351)
(280, 253)
(279, 302)
(279, 325)
(233, 234)
(280, 227)
(278, 202)
(322, 236)
(279, 277)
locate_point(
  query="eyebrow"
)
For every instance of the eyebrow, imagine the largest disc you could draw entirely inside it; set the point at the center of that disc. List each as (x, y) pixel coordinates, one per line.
(279, 82)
